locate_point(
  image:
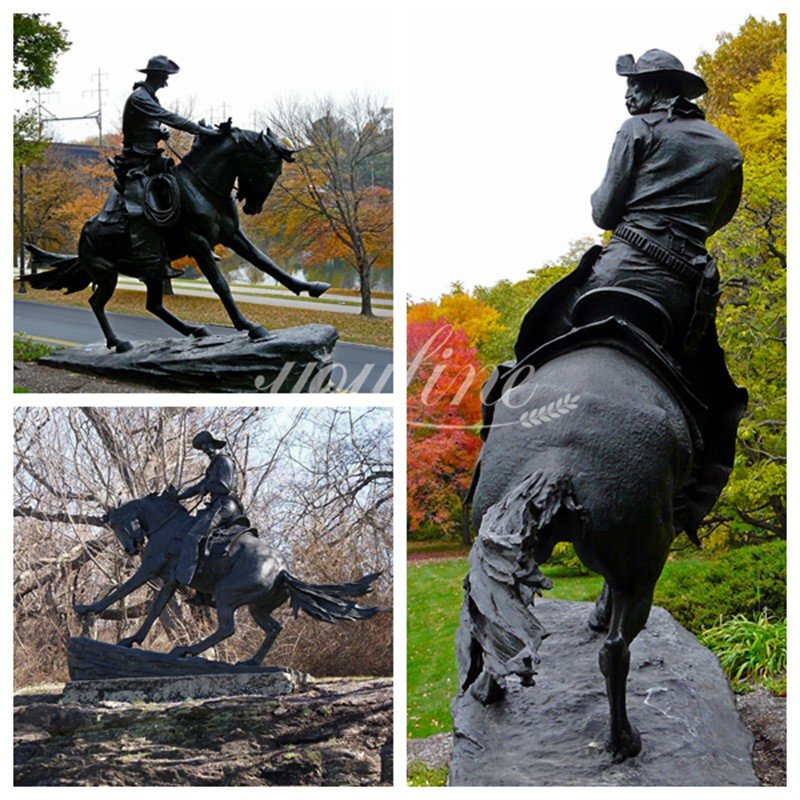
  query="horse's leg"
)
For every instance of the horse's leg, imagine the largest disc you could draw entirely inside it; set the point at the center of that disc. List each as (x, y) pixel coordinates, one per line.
(224, 629)
(204, 255)
(630, 609)
(157, 606)
(105, 285)
(139, 578)
(271, 628)
(155, 305)
(242, 246)
(600, 616)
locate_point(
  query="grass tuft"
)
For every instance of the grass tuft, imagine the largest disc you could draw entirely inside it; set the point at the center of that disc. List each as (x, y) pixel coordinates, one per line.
(751, 650)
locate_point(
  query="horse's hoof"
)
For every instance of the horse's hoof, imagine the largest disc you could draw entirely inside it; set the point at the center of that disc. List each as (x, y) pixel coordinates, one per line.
(123, 347)
(318, 288)
(81, 610)
(627, 744)
(179, 652)
(128, 641)
(259, 332)
(201, 333)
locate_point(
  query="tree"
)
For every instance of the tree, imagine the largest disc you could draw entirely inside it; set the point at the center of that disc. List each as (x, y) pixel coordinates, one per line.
(746, 76)
(317, 484)
(329, 203)
(443, 407)
(462, 310)
(37, 45)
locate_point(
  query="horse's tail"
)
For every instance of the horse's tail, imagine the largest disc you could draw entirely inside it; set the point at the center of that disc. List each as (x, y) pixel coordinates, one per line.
(498, 633)
(66, 273)
(328, 602)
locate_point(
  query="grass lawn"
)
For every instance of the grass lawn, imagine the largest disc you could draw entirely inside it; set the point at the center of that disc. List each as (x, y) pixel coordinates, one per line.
(352, 327)
(434, 601)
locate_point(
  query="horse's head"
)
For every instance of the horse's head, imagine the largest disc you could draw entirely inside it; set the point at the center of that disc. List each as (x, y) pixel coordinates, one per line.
(124, 521)
(133, 521)
(259, 160)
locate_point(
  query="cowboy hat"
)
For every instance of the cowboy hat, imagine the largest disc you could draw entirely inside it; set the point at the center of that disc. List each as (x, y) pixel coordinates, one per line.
(661, 62)
(161, 64)
(204, 438)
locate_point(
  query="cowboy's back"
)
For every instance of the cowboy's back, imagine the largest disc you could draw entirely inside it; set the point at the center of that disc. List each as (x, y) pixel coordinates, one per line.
(669, 169)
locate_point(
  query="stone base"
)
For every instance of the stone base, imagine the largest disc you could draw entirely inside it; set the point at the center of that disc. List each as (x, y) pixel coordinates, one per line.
(90, 660)
(278, 681)
(553, 733)
(292, 360)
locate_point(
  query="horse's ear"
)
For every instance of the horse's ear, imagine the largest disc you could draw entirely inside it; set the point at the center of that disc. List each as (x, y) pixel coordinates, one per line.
(202, 123)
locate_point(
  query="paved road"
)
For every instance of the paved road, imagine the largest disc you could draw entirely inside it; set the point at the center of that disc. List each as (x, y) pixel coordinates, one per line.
(361, 368)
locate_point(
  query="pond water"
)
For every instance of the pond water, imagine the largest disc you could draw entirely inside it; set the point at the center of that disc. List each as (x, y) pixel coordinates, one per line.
(337, 274)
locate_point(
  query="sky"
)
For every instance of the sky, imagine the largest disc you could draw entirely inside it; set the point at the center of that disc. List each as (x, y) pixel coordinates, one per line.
(504, 117)
(511, 118)
(233, 64)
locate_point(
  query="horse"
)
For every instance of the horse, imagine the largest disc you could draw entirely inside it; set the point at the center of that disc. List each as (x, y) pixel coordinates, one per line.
(252, 573)
(591, 448)
(207, 216)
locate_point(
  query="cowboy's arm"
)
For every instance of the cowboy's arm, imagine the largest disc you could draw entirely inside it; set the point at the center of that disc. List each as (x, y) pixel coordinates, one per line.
(150, 107)
(193, 490)
(610, 199)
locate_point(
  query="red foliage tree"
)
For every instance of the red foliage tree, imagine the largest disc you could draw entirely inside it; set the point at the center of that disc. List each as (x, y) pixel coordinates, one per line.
(443, 401)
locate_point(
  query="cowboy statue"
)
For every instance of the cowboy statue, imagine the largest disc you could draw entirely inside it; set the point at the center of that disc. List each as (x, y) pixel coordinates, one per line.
(672, 181)
(140, 160)
(222, 509)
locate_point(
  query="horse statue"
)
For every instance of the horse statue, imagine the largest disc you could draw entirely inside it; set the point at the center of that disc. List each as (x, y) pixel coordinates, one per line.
(207, 216)
(592, 445)
(249, 572)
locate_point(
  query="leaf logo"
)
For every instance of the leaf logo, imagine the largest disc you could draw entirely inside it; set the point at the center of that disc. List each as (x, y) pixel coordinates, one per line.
(550, 412)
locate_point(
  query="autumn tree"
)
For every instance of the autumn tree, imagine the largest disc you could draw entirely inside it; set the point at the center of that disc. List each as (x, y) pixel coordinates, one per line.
(443, 407)
(330, 203)
(37, 45)
(746, 76)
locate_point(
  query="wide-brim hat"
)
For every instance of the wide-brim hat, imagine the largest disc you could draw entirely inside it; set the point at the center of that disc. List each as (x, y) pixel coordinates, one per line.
(161, 64)
(203, 438)
(655, 62)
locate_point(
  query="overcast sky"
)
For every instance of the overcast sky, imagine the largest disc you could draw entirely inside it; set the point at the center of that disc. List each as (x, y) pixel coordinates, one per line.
(504, 117)
(233, 63)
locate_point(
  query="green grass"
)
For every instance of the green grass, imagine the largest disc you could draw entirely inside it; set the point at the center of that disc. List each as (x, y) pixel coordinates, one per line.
(26, 349)
(421, 775)
(750, 650)
(434, 600)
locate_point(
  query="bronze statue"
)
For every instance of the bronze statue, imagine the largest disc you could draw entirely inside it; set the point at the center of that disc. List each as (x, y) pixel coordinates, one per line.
(234, 564)
(157, 213)
(615, 429)
(223, 507)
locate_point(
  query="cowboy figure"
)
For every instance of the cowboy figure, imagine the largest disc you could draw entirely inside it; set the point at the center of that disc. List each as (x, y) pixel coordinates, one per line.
(140, 159)
(672, 180)
(222, 508)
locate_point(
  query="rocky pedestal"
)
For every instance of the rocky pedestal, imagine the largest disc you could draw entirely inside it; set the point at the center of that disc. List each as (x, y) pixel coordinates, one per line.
(336, 732)
(552, 734)
(292, 360)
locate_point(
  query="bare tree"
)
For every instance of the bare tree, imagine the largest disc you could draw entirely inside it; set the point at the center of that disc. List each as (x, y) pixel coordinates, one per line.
(73, 464)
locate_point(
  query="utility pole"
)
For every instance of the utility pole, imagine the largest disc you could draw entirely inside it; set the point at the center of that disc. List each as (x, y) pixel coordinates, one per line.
(22, 287)
(98, 115)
